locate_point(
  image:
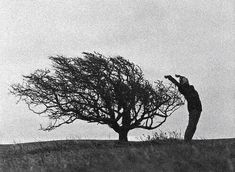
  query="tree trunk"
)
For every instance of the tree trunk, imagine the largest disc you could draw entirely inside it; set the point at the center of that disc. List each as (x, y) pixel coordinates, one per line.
(123, 136)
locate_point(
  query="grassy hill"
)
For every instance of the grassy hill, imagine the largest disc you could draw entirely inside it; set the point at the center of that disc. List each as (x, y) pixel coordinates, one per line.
(96, 155)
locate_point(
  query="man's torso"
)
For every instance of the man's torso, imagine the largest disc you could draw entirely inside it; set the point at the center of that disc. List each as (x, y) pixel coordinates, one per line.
(192, 97)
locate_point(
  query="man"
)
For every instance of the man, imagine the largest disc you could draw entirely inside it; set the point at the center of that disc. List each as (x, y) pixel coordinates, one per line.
(194, 104)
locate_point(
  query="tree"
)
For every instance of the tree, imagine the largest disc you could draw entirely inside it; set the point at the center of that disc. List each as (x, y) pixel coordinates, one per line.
(98, 89)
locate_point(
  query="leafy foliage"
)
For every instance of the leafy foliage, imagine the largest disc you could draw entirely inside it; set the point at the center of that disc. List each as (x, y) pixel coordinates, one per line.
(98, 89)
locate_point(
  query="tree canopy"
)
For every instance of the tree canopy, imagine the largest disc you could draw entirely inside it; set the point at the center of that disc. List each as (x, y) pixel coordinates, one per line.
(95, 88)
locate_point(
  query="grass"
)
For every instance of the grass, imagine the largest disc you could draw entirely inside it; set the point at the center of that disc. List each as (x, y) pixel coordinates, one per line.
(156, 153)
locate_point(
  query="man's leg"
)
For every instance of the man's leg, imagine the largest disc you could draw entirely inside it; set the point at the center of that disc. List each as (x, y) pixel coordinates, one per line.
(192, 125)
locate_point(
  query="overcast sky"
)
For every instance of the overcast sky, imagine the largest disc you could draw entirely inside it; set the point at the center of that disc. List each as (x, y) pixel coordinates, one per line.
(191, 38)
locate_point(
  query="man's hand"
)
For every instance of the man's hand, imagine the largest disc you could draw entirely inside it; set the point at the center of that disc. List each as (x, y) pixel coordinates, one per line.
(177, 76)
(168, 76)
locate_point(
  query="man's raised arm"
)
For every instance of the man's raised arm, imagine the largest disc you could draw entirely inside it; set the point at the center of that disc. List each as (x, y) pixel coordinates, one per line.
(172, 80)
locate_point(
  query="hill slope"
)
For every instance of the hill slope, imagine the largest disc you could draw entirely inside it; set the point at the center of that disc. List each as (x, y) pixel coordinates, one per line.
(97, 155)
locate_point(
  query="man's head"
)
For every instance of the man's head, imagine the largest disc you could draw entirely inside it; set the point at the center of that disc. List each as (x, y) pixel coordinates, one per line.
(184, 80)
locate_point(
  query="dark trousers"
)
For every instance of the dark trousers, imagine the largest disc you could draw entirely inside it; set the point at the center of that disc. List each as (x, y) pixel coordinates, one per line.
(194, 116)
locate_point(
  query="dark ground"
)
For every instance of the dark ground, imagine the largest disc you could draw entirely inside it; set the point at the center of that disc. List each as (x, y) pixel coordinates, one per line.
(96, 155)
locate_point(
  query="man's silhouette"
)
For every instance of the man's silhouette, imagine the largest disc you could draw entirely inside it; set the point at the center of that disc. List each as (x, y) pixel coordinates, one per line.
(194, 104)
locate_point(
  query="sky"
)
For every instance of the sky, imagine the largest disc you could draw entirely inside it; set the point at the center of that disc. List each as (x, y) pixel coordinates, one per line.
(194, 38)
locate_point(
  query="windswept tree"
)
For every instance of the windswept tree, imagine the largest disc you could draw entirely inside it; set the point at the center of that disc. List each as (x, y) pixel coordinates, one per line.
(98, 89)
